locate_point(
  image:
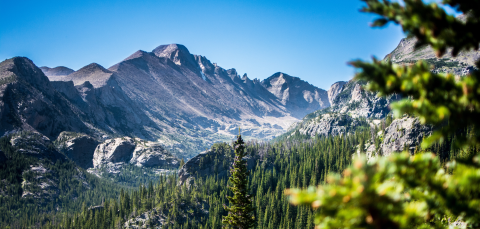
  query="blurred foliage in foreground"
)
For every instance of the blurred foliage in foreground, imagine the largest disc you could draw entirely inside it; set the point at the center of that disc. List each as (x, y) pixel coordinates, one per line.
(405, 191)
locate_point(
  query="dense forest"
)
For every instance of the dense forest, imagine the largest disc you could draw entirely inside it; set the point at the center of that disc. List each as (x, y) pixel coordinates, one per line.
(109, 202)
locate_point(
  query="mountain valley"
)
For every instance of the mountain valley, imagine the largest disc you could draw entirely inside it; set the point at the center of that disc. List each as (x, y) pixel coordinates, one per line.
(146, 142)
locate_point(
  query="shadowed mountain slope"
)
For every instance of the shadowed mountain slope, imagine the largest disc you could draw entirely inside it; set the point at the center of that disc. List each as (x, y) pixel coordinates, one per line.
(28, 101)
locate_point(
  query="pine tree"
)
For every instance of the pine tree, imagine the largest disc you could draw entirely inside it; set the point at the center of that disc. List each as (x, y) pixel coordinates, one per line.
(398, 191)
(241, 211)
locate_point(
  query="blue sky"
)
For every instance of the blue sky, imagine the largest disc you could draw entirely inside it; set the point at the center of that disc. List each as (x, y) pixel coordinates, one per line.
(312, 40)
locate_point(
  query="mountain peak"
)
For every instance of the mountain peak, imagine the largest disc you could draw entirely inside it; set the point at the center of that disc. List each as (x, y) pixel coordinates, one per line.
(93, 67)
(178, 53)
(24, 68)
(279, 77)
(136, 54)
(95, 73)
(57, 71)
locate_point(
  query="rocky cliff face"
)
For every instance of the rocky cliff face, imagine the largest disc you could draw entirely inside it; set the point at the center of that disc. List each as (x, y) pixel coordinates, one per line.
(149, 154)
(114, 153)
(404, 133)
(331, 124)
(78, 147)
(355, 101)
(334, 90)
(351, 107)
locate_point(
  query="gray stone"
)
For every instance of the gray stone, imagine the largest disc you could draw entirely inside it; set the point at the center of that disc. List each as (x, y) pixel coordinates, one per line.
(334, 90)
(80, 148)
(113, 151)
(404, 132)
(329, 124)
(149, 154)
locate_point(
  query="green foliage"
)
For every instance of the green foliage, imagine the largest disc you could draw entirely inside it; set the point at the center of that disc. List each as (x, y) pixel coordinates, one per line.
(404, 191)
(133, 176)
(240, 209)
(395, 192)
(68, 186)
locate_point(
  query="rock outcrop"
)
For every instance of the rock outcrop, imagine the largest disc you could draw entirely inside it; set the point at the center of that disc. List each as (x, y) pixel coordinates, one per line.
(210, 162)
(334, 90)
(460, 65)
(148, 219)
(148, 154)
(355, 101)
(157, 218)
(405, 132)
(113, 151)
(80, 148)
(36, 145)
(352, 106)
(330, 124)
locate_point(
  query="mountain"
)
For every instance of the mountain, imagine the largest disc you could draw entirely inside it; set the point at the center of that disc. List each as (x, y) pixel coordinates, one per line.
(28, 101)
(352, 107)
(56, 73)
(296, 95)
(185, 101)
(460, 65)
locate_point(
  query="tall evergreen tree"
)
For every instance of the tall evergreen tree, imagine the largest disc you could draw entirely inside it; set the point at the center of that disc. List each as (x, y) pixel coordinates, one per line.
(241, 211)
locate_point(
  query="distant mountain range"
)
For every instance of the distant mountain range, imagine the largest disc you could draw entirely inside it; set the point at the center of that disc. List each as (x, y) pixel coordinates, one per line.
(184, 101)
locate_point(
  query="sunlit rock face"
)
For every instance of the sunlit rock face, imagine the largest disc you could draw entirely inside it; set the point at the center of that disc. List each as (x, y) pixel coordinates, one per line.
(298, 96)
(120, 151)
(404, 134)
(149, 154)
(334, 90)
(113, 151)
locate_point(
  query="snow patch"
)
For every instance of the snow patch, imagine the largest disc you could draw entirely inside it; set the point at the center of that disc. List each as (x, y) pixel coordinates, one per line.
(203, 76)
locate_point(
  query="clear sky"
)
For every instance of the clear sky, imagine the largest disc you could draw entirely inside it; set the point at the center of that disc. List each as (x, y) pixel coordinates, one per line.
(312, 40)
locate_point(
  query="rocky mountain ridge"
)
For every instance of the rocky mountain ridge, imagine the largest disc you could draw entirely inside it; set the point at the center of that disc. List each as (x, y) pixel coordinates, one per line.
(352, 106)
(181, 100)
